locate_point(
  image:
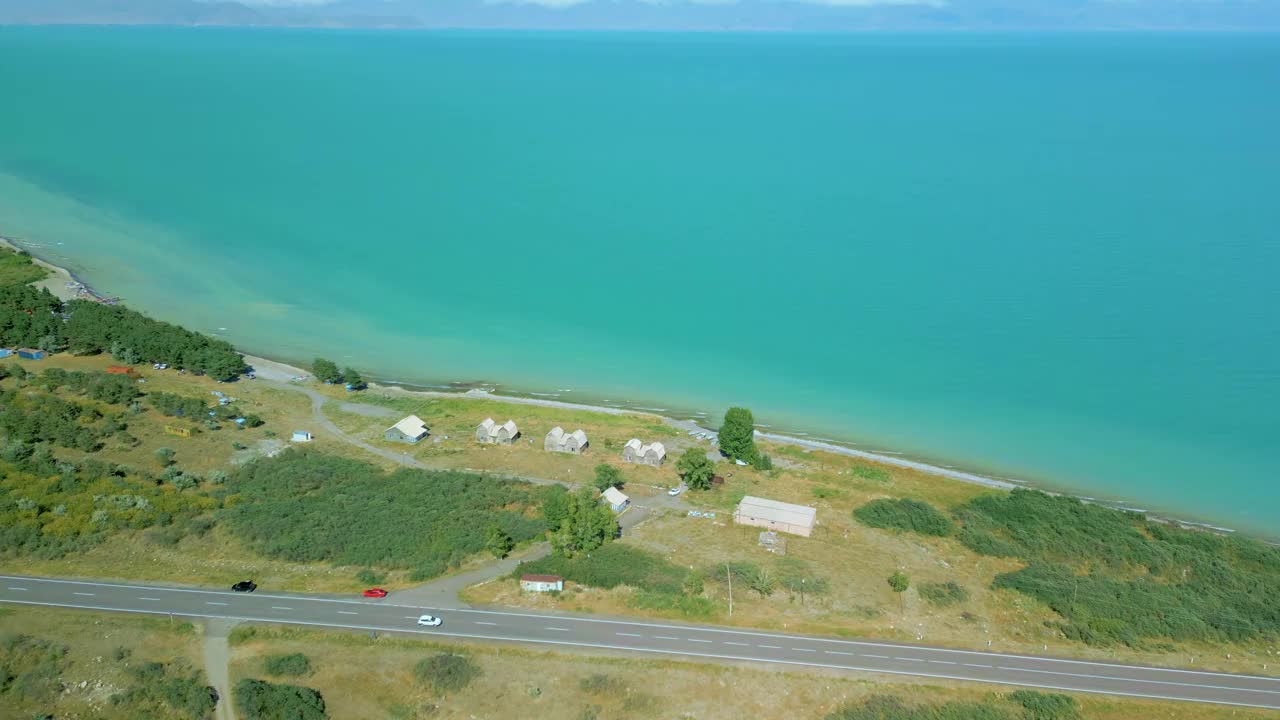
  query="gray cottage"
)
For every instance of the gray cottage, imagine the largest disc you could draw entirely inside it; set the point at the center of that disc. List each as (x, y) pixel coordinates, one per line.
(492, 433)
(408, 430)
(560, 441)
(652, 454)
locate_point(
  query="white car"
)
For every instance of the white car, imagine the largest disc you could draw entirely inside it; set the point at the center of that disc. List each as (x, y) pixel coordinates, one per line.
(675, 490)
(429, 620)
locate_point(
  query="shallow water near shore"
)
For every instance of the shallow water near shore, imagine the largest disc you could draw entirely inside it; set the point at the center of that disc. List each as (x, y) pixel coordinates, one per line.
(1048, 258)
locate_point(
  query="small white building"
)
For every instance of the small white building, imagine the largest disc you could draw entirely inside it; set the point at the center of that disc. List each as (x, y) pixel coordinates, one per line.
(541, 583)
(616, 499)
(653, 453)
(301, 436)
(560, 441)
(492, 433)
(776, 516)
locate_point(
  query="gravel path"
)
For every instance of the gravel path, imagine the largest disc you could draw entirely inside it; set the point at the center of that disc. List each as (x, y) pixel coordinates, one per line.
(217, 654)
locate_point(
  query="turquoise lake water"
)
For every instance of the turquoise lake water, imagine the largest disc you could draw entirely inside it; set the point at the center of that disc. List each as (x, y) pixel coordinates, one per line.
(1051, 258)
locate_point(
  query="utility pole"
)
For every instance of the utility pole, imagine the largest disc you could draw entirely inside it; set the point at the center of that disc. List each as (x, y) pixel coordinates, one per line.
(730, 574)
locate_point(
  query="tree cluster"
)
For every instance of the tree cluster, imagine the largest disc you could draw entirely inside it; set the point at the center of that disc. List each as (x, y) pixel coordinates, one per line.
(261, 700)
(326, 371)
(35, 318)
(696, 469)
(585, 524)
(905, 514)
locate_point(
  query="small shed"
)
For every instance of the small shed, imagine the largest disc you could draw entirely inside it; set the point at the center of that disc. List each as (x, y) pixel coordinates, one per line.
(30, 353)
(301, 436)
(560, 441)
(717, 480)
(491, 433)
(177, 431)
(653, 453)
(5, 352)
(774, 515)
(616, 499)
(541, 583)
(121, 370)
(408, 430)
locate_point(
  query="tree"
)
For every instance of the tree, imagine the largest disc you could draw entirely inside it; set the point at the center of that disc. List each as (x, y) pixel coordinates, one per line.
(607, 476)
(696, 469)
(165, 456)
(446, 672)
(499, 542)
(737, 435)
(899, 582)
(762, 462)
(326, 371)
(354, 378)
(556, 506)
(587, 526)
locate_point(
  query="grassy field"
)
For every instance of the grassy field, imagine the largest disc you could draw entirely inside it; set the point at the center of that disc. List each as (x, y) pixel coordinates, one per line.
(101, 650)
(17, 269)
(363, 677)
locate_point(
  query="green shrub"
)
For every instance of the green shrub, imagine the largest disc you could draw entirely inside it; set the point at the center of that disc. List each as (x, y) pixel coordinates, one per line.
(610, 566)
(885, 707)
(293, 664)
(870, 472)
(686, 605)
(905, 514)
(368, 577)
(261, 700)
(1046, 706)
(600, 684)
(823, 492)
(943, 594)
(446, 672)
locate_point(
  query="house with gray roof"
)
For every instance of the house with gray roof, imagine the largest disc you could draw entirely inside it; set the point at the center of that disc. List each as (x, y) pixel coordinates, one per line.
(492, 433)
(776, 516)
(560, 441)
(653, 453)
(408, 430)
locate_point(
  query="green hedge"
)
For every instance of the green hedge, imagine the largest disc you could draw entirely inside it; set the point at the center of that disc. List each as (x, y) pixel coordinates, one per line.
(610, 566)
(904, 514)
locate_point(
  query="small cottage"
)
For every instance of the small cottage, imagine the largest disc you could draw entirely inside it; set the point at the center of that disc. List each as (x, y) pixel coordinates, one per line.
(121, 370)
(492, 433)
(408, 430)
(776, 516)
(652, 454)
(5, 352)
(617, 501)
(30, 353)
(177, 431)
(560, 441)
(541, 583)
(301, 436)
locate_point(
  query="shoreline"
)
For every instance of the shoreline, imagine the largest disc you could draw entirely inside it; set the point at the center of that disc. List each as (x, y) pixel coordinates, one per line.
(66, 286)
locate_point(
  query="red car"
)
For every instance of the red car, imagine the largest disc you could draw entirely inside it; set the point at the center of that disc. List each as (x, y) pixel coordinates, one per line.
(375, 593)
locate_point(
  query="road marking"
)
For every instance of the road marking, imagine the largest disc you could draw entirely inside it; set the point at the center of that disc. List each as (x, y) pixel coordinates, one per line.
(697, 640)
(22, 589)
(836, 652)
(481, 622)
(862, 643)
(910, 659)
(629, 634)
(410, 617)
(686, 653)
(151, 599)
(728, 642)
(976, 665)
(85, 594)
(210, 602)
(558, 629)
(882, 657)
(280, 607)
(1155, 682)
(803, 650)
(347, 612)
(664, 637)
(771, 647)
(942, 662)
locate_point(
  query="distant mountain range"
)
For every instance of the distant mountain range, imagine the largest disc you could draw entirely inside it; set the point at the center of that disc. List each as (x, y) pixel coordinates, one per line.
(744, 15)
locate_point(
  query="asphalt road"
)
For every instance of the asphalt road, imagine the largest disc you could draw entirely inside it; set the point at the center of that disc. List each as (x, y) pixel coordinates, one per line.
(706, 643)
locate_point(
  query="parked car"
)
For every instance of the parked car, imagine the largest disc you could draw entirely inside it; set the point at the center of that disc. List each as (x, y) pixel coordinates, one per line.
(429, 620)
(375, 593)
(244, 586)
(675, 490)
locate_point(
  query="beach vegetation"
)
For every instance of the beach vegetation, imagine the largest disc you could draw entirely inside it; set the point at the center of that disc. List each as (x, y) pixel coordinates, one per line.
(17, 268)
(261, 700)
(352, 377)
(905, 514)
(737, 435)
(326, 371)
(696, 469)
(762, 462)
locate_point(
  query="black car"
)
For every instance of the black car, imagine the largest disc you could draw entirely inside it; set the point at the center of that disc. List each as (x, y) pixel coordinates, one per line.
(244, 586)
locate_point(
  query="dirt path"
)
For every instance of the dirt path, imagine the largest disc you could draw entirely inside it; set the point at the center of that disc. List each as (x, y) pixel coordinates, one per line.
(216, 656)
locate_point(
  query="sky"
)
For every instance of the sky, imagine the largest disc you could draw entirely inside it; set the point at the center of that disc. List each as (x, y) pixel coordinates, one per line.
(701, 15)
